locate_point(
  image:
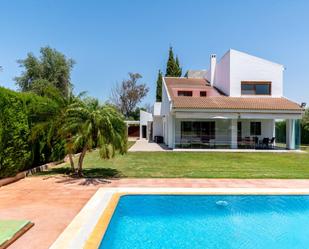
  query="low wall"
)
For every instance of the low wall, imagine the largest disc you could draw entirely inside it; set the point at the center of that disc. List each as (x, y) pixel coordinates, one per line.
(25, 173)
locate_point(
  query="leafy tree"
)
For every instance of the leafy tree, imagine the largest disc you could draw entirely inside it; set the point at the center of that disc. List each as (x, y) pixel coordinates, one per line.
(305, 127)
(135, 115)
(51, 68)
(172, 67)
(89, 122)
(159, 87)
(281, 131)
(128, 94)
(305, 120)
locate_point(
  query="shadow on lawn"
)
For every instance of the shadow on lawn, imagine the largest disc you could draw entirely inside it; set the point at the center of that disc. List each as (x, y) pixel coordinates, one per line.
(93, 176)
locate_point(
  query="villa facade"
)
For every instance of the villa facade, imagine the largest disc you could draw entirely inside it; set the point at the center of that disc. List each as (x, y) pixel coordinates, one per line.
(234, 104)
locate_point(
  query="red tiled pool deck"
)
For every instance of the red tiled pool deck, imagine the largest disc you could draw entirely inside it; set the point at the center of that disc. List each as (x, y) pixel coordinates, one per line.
(52, 202)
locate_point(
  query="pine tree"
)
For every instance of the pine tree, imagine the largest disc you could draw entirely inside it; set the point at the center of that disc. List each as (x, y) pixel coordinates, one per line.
(159, 87)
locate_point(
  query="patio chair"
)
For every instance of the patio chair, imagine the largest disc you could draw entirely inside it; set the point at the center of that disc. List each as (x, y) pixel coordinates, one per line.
(212, 143)
(265, 142)
(272, 142)
(205, 141)
(184, 143)
(247, 142)
(256, 142)
(196, 142)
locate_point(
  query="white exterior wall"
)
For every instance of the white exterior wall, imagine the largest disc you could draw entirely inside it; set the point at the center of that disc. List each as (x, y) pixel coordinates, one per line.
(165, 113)
(165, 134)
(267, 126)
(235, 67)
(145, 118)
(222, 74)
(157, 126)
(166, 100)
(171, 131)
(245, 67)
(234, 142)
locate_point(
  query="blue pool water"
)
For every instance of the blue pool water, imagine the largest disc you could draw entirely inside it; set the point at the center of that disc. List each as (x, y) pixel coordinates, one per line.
(209, 222)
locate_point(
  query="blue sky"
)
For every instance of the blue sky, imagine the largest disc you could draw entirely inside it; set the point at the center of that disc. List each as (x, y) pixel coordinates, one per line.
(108, 39)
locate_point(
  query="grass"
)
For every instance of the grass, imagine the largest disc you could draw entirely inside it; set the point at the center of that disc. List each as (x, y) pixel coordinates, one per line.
(195, 165)
(305, 148)
(130, 144)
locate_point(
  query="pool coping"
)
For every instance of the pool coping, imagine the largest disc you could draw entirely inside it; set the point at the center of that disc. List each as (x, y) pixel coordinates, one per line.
(89, 225)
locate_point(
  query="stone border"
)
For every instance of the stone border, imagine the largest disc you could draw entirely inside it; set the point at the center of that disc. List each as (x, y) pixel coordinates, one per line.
(23, 174)
(80, 229)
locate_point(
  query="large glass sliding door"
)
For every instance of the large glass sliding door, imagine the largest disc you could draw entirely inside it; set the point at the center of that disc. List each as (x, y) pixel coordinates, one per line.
(197, 134)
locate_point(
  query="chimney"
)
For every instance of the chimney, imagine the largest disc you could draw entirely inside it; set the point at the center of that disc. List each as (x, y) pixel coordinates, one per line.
(213, 62)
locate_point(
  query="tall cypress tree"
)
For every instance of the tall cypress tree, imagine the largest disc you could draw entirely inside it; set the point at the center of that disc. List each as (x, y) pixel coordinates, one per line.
(172, 67)
(178, 71)
(159, 87)
(171, 64)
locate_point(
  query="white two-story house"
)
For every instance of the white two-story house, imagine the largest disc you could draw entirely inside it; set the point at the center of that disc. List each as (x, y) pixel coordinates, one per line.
(234, 104)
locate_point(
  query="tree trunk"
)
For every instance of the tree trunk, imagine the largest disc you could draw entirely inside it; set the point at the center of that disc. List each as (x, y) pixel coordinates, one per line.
(80, 161)
(72, 163)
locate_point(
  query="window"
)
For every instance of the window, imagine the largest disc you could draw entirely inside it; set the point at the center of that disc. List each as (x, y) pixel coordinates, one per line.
(255, 88)
(196, 129)
(203, 93)
(239, 131)
(185, 93)
(255, 128)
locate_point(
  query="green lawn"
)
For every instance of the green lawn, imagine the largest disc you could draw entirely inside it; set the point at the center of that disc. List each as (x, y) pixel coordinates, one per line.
(305, 147)
(130, 144)
(196, 165)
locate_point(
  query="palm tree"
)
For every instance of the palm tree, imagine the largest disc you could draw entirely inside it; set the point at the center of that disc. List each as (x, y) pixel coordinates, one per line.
(48, 122)
(93, 125)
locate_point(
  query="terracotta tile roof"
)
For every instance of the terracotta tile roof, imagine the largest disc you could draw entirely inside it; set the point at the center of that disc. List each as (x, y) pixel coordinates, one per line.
(219, 101)
(185, 81)
(241, 103)
(189, 83)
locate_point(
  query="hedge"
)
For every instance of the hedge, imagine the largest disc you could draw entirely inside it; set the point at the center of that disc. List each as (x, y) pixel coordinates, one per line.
(19, 112)
(281, 133)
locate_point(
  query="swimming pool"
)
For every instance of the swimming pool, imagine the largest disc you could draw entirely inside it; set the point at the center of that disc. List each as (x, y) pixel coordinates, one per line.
(154, 221)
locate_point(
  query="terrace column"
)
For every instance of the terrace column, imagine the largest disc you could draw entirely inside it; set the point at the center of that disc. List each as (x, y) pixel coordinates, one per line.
(290, 134)
(274, 130)
(234, 144)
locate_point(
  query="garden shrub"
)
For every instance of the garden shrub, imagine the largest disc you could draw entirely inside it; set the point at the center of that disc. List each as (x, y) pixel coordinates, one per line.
(19, 112)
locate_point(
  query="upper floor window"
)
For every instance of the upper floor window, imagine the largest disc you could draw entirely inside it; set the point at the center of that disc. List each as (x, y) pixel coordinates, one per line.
(203, 93)
(255, 88)
(185, 93)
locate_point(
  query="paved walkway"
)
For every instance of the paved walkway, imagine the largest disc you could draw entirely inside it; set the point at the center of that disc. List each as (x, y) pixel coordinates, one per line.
(52, 202)
(145, 145)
